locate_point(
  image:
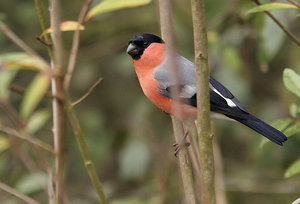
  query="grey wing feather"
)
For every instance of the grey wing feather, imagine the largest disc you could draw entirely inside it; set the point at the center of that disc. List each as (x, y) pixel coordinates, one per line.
(186, 77)
(186, 85)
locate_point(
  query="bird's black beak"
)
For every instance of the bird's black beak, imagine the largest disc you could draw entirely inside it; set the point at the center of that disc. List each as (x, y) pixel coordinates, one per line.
(132, 50)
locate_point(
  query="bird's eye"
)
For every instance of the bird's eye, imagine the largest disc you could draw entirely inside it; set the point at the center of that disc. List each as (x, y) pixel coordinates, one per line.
(146, 43)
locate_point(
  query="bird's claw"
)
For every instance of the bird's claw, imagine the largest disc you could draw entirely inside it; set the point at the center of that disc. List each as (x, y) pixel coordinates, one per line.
(179, 146)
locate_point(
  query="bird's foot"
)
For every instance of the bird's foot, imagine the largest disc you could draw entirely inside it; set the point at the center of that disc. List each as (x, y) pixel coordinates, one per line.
(179, 147)
(182, 143)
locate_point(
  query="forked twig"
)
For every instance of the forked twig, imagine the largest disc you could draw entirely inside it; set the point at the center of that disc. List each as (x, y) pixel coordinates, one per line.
(75, 44)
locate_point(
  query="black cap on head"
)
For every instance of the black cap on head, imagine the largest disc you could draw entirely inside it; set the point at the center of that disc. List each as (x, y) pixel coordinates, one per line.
(139, 43)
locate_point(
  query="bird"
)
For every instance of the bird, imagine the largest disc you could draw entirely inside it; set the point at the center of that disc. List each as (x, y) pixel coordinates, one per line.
(150, 58)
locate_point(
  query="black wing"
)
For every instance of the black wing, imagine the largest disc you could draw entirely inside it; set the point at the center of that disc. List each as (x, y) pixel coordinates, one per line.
(223, 101)
(219, 95)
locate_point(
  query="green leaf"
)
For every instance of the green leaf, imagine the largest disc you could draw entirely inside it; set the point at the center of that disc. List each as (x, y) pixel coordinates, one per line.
(292, 130)
(111, 5)
(271, 44)
(31, 183)
(21, 60)
(38, 120)
(294, 110)
(271, 6)
(6, 76)
(64, 26)
(296, 201)
(293, 169)
(34, 94)
(291, 81)
(4, 143)
(280, 125)
(232, 58)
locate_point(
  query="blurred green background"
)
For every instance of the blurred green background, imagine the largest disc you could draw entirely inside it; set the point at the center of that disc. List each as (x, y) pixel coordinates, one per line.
(130, 140)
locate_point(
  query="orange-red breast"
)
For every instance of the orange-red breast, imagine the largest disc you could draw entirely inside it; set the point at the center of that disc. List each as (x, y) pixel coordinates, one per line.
(148, 53)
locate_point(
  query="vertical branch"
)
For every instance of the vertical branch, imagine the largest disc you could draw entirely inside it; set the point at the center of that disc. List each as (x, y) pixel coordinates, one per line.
(58, 104)
(184, 161)
(85, 154)
(207, 180)
(185, 164)
(220, 183)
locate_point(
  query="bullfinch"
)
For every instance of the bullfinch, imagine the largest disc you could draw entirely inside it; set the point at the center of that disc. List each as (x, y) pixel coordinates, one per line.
(149, 56)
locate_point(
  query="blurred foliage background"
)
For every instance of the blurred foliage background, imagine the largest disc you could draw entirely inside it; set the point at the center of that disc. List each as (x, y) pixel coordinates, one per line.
(130, 140)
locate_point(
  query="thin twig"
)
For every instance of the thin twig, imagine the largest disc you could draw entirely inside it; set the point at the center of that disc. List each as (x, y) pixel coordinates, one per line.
(207, 171)
(295, 3)
(20, 90)
(20, 43)
(220, 183)
(30, 163)
(27, 138)
(50, 186)
(43, 22)
(58, 106)
(185, 165)
(85, 154)
(12, 114)
(17, 194)
(75, 45)
(90, 90)
(288, 33)
(44, 42)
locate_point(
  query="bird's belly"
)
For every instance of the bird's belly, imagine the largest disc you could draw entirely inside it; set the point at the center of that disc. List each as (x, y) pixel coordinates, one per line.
(150, 88)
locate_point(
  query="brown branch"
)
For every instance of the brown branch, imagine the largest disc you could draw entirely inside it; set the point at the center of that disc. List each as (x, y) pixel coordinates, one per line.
(184, 160)
(90, 90)
(207, 171)
(288, 33)
(294, 3)
(75, 45)
(17, 194)
(220, 183)
(57, 82)
(50, 187)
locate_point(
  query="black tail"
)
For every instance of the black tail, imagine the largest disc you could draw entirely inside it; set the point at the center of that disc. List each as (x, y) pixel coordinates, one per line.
(263, 128)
